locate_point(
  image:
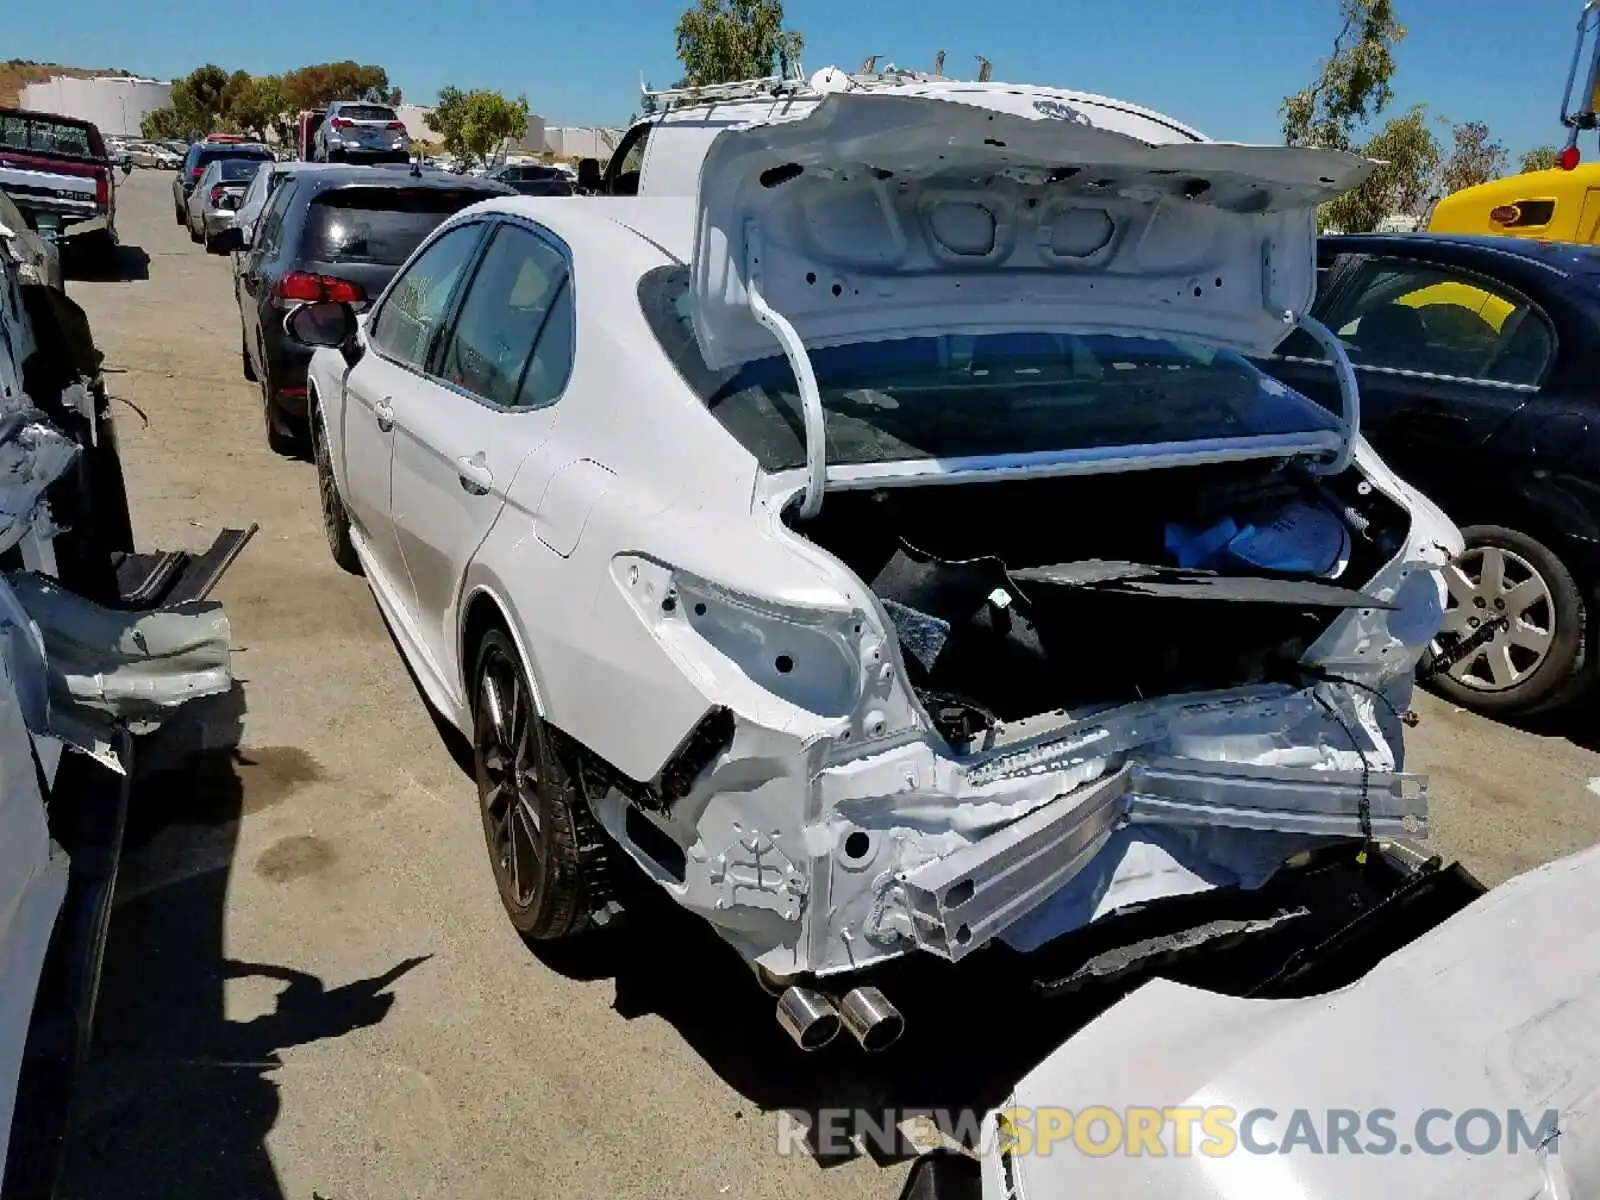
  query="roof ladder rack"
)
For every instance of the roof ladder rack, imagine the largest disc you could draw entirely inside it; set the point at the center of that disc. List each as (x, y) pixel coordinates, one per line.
(768, 86)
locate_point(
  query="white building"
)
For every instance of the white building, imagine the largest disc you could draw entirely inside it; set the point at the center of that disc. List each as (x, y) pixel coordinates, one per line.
(581, 141)
(114, 103)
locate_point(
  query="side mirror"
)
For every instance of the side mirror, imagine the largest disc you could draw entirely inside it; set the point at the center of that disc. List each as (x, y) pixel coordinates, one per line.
(228, 239)
(944, 1175)
(326, 323)
(589, 174)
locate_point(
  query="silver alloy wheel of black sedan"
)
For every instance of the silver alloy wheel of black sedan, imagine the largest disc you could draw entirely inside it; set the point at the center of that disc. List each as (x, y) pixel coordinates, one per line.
(1492, 583)
(1511, 595)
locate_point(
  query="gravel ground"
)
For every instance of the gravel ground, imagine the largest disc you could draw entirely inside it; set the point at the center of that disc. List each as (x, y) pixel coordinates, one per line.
(310, 989)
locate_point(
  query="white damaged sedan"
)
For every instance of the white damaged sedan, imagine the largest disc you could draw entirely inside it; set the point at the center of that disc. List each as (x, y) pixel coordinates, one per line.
(890, 548)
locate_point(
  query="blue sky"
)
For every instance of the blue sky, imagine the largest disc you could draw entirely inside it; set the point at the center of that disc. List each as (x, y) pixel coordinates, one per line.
(1222, 66)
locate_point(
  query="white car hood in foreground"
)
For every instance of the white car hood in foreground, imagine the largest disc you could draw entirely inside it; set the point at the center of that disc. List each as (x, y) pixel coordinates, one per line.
(1497, 1009)
(884, 215)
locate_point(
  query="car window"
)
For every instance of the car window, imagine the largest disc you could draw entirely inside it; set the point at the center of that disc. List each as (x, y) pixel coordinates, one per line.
(416, 304)
(1441, 321)
(506, 306)
(237, 170)
(269, 231)
(379, 225)
(950, 396)
(626, 180)
(365, 112)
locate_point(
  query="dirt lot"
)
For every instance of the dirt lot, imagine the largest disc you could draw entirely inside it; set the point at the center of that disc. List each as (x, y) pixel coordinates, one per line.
(310, 989)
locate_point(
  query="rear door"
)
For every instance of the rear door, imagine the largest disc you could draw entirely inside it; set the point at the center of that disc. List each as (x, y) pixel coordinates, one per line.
(459, 442)
(401, 335)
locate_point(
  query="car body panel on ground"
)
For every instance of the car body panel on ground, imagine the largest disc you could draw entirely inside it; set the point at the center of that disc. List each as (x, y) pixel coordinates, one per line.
(1484, 1022)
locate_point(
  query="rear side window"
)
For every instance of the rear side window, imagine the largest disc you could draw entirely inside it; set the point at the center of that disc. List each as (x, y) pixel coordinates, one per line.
(379, 225)
(507, 306)
(365, 112)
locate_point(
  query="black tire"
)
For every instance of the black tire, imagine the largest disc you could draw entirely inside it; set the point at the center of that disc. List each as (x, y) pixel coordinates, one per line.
(545, 849)
(195, 237)
(279, 440)
(335, 520)
(244, 359)
(1562, 675)
(210, 243)
(178, 216)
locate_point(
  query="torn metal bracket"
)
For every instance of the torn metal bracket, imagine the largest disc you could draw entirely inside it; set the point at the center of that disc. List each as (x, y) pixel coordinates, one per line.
(800, 363)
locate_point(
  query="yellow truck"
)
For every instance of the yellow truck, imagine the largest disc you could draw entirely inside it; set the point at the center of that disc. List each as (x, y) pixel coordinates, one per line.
(1554, 205)
(1559, 205)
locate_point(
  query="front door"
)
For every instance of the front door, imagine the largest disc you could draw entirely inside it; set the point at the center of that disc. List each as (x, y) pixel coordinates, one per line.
(489, 405)
(400, 335)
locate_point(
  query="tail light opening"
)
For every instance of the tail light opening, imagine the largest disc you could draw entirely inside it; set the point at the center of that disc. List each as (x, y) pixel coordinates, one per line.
(312, 288)
(102, 188)
(340, 123)
(397, 126)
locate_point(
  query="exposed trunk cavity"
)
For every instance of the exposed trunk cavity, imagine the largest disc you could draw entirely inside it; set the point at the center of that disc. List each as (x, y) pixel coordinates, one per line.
(1016, 598)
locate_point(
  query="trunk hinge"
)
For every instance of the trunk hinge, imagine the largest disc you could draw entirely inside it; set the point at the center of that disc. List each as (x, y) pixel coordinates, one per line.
(1349, 393)
(800, 363)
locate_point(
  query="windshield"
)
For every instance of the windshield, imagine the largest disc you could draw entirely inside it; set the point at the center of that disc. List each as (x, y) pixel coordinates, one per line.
(43, 135)
(376, 224)
(962, 396)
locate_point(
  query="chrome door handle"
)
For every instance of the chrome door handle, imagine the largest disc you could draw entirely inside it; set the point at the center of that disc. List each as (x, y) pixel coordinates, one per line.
(383, 412)
(474, 475)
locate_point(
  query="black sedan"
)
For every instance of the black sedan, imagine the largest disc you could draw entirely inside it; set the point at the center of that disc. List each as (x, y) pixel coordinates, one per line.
(331, 233)
(1479, 368)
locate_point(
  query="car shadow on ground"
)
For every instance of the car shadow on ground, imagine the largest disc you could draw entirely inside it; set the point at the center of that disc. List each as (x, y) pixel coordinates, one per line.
(125, 264)
(177, 1099)
(972, 1028)
(1578, 723)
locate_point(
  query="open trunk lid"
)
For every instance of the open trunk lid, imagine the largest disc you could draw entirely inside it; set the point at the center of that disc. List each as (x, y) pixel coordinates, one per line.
(883, 215)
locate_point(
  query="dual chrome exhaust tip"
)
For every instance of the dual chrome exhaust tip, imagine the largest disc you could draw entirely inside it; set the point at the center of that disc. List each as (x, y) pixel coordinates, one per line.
(813, 1020)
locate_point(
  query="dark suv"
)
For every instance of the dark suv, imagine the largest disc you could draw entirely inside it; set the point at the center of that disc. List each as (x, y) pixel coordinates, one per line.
(201, 155)
(334, 233)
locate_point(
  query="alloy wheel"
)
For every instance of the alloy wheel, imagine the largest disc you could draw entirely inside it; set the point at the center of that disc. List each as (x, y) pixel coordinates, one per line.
(509, 777)
(1492, 583)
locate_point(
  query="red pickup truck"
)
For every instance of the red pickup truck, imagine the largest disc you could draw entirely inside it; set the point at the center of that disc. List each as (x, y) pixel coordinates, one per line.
(58, 174)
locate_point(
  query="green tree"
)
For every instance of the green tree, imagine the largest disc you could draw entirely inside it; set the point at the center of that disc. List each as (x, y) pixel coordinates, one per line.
(472, 125)
(194, 108)
(311, 87)
(1336, 112)
(724, 40)
(1353, 82)
(1408, 155)
(259, 107)
(1475, 158)
(1540, 158)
